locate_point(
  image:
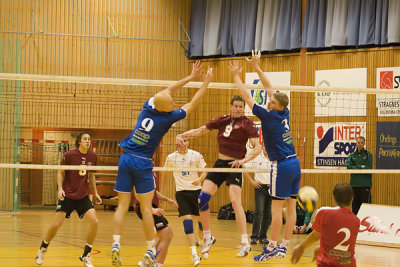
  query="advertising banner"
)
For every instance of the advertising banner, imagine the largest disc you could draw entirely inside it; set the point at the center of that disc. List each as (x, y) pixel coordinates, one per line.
(379, 224)
(260, 96)
(387, 145)
(388, 79)
(334, 142)
(340, 104)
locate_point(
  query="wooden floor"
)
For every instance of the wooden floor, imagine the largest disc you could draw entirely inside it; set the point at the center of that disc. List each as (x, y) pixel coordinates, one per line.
(21, 235)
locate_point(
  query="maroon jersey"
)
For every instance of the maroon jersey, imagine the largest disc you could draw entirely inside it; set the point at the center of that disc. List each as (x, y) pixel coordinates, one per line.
(75, 184)
(338, 228)
(233, 134)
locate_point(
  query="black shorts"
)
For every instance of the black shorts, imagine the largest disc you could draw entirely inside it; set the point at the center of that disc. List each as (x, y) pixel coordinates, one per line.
(160, 222)
(219, 177)
(69, 205)
(188, 202)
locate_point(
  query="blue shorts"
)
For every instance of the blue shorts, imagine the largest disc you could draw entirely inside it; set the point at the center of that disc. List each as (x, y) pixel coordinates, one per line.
(285, 178)
(134, 171)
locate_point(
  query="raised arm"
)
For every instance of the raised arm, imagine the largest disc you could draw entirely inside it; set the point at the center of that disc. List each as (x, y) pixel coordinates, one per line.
(199, 94)
(256, 150)
(240, 86)
(191, 134)
(250, 156)
(264, 80)
(194, 132)
(196, 72)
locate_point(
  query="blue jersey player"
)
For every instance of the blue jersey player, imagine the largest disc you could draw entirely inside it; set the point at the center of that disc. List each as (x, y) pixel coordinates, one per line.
(285, 169)
(135, 165)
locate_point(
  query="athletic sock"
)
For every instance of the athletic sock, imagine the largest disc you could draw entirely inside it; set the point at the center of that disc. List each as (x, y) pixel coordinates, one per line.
(193, 249)
(87, 250)
(116, 239)
(44, 244)
(284, 243)
(245, 239)
(272, 244)
(207, 234)
(151, 245)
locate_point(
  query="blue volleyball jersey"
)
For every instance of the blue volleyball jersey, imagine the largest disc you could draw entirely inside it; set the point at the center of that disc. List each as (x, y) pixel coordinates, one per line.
(150, 128)
(276, 132)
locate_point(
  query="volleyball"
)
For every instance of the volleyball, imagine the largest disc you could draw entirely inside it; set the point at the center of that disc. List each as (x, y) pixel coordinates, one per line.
(308, 198)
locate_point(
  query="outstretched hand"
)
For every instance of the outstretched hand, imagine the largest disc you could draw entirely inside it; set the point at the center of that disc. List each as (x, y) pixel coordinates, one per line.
(209, 75)
(296, 254)
(255, 57)
(237, 163)
(196, 70)
(236, 70)
(179, 140)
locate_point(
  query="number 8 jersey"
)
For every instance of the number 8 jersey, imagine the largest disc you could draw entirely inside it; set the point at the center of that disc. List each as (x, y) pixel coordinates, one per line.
(338, 228)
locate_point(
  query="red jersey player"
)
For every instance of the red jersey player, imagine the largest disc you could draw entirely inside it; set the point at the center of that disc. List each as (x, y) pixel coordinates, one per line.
(337, 230)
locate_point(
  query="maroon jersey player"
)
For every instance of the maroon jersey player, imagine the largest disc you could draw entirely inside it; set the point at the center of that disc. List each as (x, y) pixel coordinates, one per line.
(337, 230)
(73, 195)
(75, 184)
(234, 131)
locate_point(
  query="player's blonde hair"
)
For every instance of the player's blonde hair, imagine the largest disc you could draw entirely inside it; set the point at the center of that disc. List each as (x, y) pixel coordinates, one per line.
(282, 98)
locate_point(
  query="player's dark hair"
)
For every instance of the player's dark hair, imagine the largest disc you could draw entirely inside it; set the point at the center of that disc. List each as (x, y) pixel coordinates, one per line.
(237, 98)
(361, 137)
(79, 137)
(282, 98)
(343, 194)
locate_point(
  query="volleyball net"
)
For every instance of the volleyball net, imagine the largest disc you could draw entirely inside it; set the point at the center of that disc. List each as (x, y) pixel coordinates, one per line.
(41, 115)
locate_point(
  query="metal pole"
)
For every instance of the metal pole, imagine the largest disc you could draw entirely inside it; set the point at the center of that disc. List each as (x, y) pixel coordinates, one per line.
(92, 36)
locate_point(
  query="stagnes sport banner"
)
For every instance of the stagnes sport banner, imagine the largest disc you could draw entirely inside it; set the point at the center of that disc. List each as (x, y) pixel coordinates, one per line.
(340, 104)
(388, 79)
(334, 142)
(379, 224)
(387, 145)
(260, 96)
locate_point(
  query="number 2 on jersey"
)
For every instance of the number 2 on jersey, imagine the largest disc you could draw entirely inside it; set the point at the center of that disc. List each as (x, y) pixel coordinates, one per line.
(339, 246)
